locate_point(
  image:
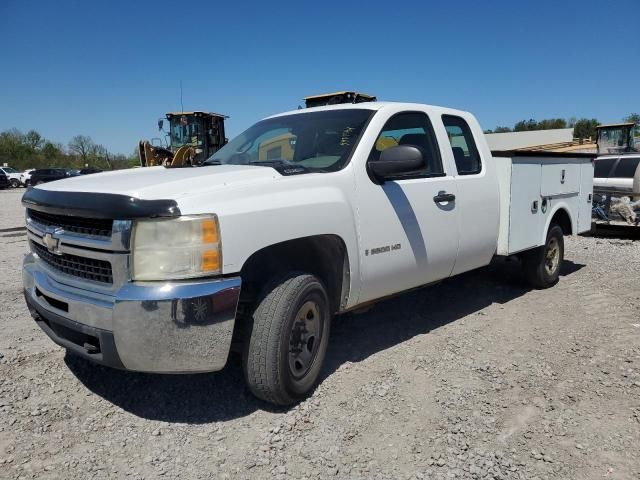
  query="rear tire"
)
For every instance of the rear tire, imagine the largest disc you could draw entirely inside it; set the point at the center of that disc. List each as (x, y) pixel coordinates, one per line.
(542, 265)
(286, 343)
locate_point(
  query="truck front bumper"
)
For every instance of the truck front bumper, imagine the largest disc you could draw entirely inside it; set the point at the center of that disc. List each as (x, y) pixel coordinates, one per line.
(162, 327)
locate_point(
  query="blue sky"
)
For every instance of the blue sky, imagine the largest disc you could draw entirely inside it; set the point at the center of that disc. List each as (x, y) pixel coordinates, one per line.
(111, 69)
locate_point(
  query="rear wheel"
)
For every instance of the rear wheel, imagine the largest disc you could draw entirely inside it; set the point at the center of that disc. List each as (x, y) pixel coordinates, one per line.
(287, 341)
(542, 265)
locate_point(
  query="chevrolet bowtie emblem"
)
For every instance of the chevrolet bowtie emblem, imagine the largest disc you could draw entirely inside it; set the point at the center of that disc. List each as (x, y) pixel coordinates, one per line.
(51, 242)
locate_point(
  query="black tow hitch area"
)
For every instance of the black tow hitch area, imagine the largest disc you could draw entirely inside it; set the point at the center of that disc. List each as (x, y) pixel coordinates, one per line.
(91, 348)
(88, 342)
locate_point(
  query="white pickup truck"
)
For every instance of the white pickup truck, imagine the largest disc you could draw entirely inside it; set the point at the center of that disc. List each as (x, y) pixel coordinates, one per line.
(305, 215)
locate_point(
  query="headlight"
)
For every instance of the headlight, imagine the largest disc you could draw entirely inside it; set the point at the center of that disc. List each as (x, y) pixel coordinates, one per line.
(184, 247)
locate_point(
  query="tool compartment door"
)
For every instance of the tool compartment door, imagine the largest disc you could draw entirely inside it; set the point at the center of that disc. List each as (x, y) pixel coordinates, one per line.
(586, 196)
(559, 178)
(525, 221)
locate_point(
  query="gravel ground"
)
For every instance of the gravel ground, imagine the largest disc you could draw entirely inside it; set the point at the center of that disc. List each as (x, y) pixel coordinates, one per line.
(477, 378)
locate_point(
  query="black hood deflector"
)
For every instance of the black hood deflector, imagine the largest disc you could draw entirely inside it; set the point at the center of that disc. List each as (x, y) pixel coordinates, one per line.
(98, 205)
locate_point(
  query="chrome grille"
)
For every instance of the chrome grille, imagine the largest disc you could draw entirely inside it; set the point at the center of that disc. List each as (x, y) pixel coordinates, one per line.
(82, 267)
(79, 225)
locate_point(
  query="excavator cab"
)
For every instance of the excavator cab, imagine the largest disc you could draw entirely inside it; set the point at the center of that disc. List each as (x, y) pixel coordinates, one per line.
(193, 137)
(616, 138)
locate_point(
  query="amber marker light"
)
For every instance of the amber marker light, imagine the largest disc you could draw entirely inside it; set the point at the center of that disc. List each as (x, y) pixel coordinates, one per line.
(209, 231)
(210, 261)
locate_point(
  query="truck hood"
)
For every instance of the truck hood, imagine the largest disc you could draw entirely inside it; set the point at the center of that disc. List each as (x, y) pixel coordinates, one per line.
(152, 183)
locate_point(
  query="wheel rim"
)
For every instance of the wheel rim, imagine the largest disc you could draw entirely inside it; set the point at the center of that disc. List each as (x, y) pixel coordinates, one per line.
(552, 256)
(304, 339)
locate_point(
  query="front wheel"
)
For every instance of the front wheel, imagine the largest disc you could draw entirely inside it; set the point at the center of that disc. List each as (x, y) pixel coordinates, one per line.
(287, 341)
(15, 183)
(542, 265)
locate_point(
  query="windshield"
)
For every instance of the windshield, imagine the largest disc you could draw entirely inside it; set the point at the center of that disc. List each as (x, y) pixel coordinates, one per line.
(185, 131)
(315, 141)
(10, 170)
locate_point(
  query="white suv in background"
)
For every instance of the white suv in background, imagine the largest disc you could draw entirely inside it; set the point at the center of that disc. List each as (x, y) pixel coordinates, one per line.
(618, 174)
(25, 177)
(13, 175)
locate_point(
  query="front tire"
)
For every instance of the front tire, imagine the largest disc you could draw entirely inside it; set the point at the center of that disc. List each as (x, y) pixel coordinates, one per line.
(542, 265)
(15, 183)
(287, 341)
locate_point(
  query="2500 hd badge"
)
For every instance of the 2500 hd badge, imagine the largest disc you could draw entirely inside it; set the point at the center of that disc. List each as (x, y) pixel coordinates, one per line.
(385, 249)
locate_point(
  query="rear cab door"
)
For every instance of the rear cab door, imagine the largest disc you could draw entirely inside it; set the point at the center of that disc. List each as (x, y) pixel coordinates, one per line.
(478, 197)
(406, 237)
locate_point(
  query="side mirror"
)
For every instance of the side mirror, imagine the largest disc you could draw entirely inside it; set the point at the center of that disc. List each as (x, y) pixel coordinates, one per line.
(398, 160)
(160, 124)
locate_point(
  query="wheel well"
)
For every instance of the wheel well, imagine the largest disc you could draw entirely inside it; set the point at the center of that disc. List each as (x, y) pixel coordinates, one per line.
(562, 219)
(322, 255)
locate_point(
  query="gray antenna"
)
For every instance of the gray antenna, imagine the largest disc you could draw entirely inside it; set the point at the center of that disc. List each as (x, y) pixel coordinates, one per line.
(181, 105)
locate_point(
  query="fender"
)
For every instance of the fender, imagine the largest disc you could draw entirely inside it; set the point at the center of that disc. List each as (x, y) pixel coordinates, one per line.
(285, 209)
(557, 204)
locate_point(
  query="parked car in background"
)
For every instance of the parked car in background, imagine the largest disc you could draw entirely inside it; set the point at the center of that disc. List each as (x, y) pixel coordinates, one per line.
(87, 171)
(4, 181)
(12, 175)
(44, 175)
(25, 177)
(616, 189)
(618, 174)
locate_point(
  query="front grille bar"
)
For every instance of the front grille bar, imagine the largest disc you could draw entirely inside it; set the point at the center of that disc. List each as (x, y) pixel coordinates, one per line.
(83, 226)
(82, 267)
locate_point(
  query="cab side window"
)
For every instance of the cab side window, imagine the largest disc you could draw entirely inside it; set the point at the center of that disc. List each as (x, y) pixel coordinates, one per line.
(415, 129)
(464, 148)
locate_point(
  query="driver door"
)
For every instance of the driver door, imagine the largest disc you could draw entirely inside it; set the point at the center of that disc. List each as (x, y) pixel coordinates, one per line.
(407, 237)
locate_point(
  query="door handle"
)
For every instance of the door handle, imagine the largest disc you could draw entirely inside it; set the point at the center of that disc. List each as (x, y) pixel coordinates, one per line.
(444, 197)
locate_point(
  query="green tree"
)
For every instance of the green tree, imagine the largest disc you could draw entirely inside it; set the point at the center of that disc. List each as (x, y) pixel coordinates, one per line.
(34, 140)
(101, 158)
(13, 149)
(83, 147)
(552, 123)
(525, 125)
(585, 128)
(546, 124)
(502, 130)
(32, 150)
(632, 118)
(51, 150)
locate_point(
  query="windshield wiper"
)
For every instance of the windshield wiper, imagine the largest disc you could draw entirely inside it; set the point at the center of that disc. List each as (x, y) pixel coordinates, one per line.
(282, 166)
(269, 163)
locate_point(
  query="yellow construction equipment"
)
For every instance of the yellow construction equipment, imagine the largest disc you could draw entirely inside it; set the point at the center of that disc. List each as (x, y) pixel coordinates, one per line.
(192, 138)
